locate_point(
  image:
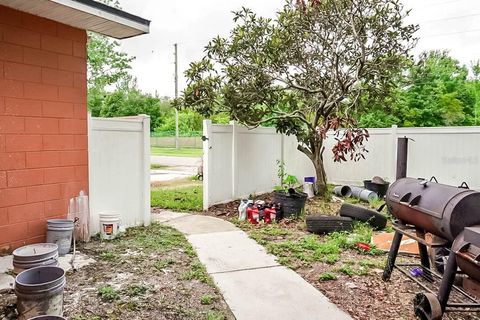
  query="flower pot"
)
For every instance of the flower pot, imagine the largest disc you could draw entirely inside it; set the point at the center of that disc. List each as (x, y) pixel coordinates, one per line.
(378, 188)
(292, 204)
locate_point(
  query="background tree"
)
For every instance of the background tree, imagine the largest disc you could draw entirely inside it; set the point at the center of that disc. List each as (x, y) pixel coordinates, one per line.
(305, 72)
(436, 90)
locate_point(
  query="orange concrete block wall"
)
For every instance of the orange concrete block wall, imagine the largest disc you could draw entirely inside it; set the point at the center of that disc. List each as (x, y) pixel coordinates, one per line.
(43, 124)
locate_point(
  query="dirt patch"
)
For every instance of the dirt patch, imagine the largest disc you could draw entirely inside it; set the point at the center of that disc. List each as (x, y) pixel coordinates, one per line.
(150, 273)
(348, 276)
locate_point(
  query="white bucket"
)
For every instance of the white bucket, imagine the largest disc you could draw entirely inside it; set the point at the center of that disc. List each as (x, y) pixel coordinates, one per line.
(109, 224)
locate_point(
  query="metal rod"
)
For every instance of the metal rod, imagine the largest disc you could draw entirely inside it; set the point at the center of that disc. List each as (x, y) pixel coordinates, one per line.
(405, 272)
(447, 280)
(402, 157)
(392, 256)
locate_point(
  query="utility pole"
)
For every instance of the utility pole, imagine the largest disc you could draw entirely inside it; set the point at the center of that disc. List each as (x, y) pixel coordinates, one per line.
(176, 97)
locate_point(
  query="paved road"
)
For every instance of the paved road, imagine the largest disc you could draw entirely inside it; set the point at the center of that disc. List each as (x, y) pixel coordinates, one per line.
(175, 161)
(252, 282)
(180, 167)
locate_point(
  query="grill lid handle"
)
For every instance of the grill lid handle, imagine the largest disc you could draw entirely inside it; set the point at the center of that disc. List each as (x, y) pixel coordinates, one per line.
(464, 185)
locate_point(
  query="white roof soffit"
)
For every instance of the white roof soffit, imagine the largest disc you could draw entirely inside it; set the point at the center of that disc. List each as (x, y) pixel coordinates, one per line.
(85, 14)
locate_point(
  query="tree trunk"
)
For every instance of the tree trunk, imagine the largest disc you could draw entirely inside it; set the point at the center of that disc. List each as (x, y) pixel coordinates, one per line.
(317, 159)
(321, 175)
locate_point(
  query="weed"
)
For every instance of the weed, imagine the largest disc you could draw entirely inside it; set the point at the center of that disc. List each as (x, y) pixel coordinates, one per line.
(10, 272)
(215, 315)
(158, 166)
(197, 271)
(375, 203)
(179, 199)
(206, 299)
(162, 264)
(327, 276)
(346, 269)
(108, 256)
(136, 290)
(108, 293)
(331, 258)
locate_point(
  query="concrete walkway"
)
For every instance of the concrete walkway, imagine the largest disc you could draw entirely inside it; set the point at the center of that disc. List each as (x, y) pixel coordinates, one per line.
(253, 284)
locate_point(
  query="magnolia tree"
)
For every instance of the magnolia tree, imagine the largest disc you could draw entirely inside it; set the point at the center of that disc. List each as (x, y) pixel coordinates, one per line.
(305, 72)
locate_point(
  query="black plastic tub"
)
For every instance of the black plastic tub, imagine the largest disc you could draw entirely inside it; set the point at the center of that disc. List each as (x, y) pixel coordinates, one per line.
(378, 188)
(292, 204)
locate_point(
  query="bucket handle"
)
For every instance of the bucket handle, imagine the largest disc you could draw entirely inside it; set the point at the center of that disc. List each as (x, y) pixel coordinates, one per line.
(464, 185)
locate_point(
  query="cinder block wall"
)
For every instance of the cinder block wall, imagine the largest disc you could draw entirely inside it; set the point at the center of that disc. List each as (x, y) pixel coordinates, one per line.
(43, 124)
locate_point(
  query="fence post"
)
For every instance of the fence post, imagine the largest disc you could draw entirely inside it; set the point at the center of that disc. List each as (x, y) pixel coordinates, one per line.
(207, 159)
(393, 153)
(234, 158)
(146, 168)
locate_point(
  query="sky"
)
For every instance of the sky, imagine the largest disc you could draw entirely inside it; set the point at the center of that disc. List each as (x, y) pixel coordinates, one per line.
(444, 24)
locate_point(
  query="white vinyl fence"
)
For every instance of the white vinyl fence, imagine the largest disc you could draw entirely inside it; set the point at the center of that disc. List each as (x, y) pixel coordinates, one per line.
(239, 162)
(119, 169)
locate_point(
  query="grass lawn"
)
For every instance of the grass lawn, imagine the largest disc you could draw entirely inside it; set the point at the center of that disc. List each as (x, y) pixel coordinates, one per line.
(188, 198)
(181, 152)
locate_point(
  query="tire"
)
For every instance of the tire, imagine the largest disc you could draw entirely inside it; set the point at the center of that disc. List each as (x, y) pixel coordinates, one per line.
(320, 224)
(375, 219)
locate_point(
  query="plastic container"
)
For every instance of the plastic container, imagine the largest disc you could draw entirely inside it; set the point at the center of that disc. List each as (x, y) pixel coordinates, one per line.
(242, 209)
(39, 292)
(363, 194)
(59, 231)
(378, 188)
(309, 189)
(35, 255)
(292, 204)
(109, 224)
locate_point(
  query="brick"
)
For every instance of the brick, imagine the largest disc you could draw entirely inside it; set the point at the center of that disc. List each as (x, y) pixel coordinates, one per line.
(60, 174)
(22, 72)
(12, 161)
(76, 95)
(43, 159)
(11, 124)
(57, 77)
(41, 125)
(80, 49)
(25, 212)
(58, 45)
(23, 178)
(21, 37)
(11, 52)
(10, 16)
(71, 189)
(23, 107)
(40, 91)
(71, 33)
(80, 80)
(40, 58)
(74, 158)
(2, 143)
(35, 23)
(15, 143)
(58, 109)
(58, 142)
(43, 192)
(80, 111)
(81, 173)
(73, 126)
(3, 179)
(11, 88)
(1, 71)
(37, 228)
(71, 63)
(14, 232)
(81, 142)
(56, 208)
(2, 105)
(12, 197)
(3, 217)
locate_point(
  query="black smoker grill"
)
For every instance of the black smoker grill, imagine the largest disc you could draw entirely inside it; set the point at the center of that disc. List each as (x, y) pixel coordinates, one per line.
(452, 215)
